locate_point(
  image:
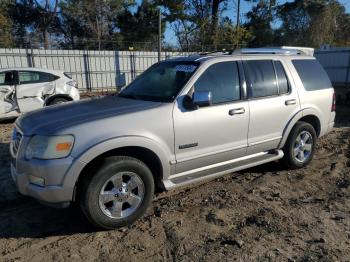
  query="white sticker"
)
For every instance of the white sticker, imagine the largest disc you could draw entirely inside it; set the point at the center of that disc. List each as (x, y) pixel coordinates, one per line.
(185, 68)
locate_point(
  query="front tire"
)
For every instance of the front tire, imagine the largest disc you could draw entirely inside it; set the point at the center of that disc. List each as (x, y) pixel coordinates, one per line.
(118, 193)
(300, 146)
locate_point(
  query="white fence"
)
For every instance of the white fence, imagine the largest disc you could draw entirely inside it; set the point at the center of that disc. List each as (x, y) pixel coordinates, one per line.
(91, 69)
(336, 62)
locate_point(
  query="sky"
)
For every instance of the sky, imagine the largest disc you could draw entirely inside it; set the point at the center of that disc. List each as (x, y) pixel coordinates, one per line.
(231, 12)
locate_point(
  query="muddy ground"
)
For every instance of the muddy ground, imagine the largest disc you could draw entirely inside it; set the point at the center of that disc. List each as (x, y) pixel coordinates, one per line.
(266, 213)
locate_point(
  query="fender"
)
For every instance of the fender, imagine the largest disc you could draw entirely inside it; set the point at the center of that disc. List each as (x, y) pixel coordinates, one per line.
(300, 114)
(98, 149)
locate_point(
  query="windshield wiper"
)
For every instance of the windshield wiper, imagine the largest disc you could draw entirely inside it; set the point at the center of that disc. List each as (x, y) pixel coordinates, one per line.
(146, 98)
(131, 96)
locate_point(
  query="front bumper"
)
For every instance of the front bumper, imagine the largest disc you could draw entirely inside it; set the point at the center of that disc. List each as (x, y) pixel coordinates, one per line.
(51, 194)
(52, 172)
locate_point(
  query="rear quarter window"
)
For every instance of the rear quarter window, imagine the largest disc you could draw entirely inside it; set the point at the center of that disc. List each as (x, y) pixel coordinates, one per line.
(312, 74)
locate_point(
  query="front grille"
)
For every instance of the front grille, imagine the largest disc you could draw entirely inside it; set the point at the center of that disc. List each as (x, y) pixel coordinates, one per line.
(16, 141)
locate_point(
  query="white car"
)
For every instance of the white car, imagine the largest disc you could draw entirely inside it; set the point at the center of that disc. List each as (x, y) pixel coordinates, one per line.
(27, 89)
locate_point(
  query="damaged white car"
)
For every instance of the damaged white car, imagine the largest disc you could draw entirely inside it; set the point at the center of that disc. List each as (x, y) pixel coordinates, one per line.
(27, 89)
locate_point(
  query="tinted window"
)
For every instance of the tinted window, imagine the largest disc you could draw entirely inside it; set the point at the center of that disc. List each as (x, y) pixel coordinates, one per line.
(30, 77)
(222, 80)
(2, 78)
(283, 84)
(7, 78)
(261, 78)
(312, 74)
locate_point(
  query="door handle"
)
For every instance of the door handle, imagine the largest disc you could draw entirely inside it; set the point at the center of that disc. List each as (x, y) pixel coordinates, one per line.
(290, 102)
(236, 111)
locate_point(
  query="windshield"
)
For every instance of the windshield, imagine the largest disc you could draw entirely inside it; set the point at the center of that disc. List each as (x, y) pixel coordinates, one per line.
(161, 82)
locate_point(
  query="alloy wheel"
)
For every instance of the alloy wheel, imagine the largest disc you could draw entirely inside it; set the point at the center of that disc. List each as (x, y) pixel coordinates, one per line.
(121, 195)
(303, 146)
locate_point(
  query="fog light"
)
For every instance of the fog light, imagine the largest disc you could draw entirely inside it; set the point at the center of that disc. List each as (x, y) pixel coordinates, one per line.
(37, 180)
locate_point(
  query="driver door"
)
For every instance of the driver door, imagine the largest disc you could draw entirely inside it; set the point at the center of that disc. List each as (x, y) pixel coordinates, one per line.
(216, 133)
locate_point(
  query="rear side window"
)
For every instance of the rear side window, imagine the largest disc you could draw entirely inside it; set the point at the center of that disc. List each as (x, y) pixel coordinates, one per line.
(261, 78)
(312, 74)
(31, 77)
(283, 84)
(222, 80)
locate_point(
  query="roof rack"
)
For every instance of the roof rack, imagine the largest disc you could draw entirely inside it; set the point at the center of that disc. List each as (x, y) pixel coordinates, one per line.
(283, 50)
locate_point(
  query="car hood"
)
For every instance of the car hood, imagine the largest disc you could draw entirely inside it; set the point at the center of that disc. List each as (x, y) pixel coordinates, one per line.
(54, 118)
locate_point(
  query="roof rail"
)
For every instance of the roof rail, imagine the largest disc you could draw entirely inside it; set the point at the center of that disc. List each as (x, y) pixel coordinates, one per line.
(283, 50)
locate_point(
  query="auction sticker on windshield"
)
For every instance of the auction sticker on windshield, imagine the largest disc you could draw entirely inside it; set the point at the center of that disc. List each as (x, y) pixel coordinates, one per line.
(186, 68)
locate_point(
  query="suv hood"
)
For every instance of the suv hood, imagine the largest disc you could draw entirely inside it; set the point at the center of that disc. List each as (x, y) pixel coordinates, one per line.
(54, 118)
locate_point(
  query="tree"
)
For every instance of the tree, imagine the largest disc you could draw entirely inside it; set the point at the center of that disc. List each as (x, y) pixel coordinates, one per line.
(93, 22)
(195, 22)
(5, 25)
(215, 12)
(47, 20)
(141, 27)
(259, 23)
(314, 23)
(22, 14)
(229, 35)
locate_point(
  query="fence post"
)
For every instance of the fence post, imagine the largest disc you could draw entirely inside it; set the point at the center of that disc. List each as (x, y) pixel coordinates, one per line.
(348, 69)
(87, 70)
(30, 57)
(132, 66)
(159, 35)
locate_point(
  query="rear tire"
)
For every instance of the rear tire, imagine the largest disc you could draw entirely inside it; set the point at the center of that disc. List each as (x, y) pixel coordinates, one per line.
(118, 193)
(300, 146)
(58, 100)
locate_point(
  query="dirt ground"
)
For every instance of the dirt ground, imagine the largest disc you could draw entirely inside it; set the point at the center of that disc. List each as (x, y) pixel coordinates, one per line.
(266, 213)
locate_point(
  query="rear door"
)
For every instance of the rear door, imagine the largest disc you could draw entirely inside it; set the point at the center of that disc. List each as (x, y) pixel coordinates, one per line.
(32, 85)
(272, 101)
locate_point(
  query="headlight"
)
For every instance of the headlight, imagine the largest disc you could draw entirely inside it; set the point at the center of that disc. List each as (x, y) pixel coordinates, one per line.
(49, 147)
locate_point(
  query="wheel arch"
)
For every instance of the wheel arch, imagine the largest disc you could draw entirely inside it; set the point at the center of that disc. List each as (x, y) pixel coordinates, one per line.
(51, 98)
(146, 150)
(147, 156)
(308, 115)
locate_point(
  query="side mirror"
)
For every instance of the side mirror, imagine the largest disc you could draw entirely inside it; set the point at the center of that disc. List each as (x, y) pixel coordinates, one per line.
(201, 98)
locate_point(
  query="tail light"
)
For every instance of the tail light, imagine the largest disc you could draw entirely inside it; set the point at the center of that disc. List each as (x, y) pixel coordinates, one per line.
(334, 103)
(72, 83)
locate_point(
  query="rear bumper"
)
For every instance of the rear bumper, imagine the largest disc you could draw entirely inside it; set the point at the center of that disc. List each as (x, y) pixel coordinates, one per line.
(325, 129)
(330, 127)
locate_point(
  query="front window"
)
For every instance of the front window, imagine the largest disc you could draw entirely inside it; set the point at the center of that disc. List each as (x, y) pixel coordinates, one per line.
(222, 80)
(7, 78)
(161, 82)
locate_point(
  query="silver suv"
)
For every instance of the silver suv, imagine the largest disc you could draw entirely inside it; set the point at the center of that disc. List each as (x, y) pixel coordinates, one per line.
(182, 121)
